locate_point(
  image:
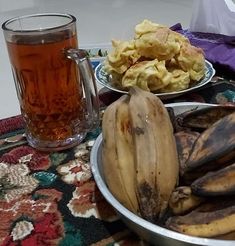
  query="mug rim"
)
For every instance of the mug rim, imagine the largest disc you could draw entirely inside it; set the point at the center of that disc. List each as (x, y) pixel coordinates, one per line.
(69, 16)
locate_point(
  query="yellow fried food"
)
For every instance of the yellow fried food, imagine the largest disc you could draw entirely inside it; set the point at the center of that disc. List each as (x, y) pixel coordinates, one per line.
(148, 75)
(192, 59)
(146, 26)
(122, 56)
(180, 81)
(157, 59)
(162, 44)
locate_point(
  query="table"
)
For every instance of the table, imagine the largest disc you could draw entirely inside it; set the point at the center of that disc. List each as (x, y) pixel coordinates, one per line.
(52, 199)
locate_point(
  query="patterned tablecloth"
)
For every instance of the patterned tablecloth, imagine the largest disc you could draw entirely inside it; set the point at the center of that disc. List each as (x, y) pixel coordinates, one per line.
(52, 199)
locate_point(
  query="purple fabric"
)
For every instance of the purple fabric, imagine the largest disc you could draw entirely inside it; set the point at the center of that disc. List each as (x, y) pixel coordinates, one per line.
(219, 49)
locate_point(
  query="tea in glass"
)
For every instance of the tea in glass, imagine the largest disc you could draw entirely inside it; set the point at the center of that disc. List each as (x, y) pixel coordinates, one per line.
(48, 84)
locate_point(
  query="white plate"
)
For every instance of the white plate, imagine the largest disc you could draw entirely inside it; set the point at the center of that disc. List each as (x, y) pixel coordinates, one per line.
(104, 79)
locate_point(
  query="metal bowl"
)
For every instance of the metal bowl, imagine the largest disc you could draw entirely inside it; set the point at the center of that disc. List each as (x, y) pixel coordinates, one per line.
(150, 232)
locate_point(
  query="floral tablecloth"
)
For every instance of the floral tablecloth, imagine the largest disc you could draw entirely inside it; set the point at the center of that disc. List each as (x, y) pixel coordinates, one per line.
(52, 199)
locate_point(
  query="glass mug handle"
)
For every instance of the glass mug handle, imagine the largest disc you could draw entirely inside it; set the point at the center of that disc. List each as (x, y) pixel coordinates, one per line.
(89, 85)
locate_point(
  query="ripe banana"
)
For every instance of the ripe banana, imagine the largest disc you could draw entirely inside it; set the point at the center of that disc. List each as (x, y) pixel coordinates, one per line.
(139, 155)
(184, 142)
(117, 156)
(182, 200)
(209, 220)
(205, 117)
(221, 182)
(155, 153)
(214, 143)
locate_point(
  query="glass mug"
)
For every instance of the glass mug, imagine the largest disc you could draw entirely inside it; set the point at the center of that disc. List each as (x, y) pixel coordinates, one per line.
(54, 80)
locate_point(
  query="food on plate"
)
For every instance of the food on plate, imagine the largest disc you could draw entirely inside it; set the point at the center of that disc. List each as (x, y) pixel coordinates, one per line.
(184, 142)
(214, 143)
(217, 183)
(180, 178)
(210, 219)
(147, 75)
(191, 59)
(146, 26)
(134, 157)
(180, 80)
(117, 154)
(162, 44)
(183, 200)
(205, 117)
(123, 56)
(155, 42)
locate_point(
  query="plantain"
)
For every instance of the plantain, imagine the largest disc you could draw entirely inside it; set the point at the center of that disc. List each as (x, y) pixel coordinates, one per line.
(216, 142)
(190, 176)
(205, 117)
(184, 142)
(155, 153)
(208, 220)
(221, 182)
(227, 236)
(117, 156)
(182, 200)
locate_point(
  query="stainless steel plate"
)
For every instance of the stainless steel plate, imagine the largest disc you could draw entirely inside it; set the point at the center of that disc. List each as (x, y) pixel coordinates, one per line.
(152, 233)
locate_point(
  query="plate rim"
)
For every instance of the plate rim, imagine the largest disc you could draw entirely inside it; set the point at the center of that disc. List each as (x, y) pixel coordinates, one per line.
(164, 94)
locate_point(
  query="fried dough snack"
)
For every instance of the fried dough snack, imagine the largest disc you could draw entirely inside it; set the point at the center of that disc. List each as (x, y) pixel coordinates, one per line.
(162, 44)
(122, 57)
(146, 26)
(192, 59)
(180, 81)
(148, 75)
(157, 59)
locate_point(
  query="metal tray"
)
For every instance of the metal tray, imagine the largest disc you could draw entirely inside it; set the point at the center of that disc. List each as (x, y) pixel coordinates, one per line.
(152, 233)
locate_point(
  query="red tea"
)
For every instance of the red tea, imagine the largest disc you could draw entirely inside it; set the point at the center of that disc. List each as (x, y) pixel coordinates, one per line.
(47, 85)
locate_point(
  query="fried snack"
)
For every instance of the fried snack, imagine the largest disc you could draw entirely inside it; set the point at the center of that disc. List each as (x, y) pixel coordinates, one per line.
(148, 75)
(122, 56)
(162, 44)
(157, 59)
(192, 59)
(146, 26)
(180, 81)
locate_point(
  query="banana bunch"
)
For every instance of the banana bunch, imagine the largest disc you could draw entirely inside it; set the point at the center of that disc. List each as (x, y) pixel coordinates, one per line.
(204, 203)
(139, 153)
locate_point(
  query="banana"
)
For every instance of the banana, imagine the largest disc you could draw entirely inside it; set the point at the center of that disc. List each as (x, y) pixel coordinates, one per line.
(209, 220)
(221, 182)
(155, 153)
(227, 236)
(182, 200)
(116, 173)
(125, 153)
(214, 143)
(184, 143)
(189, 176)
(205, 117)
